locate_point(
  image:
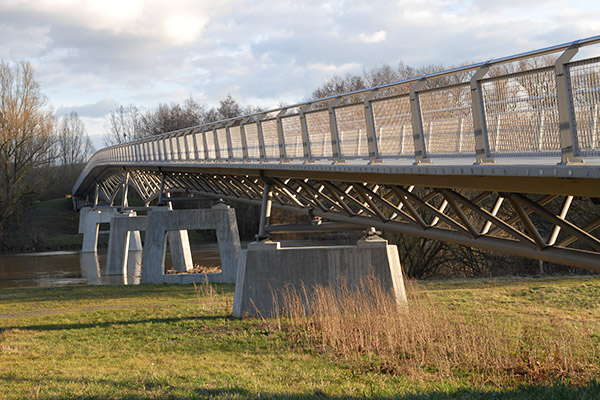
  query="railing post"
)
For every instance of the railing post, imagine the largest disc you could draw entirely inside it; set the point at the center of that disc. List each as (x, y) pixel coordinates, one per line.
(181, 150)
(156, 147)
(280, 137)
(336, 148)
(304, 131)
(244, 140)
(205, 142)
(186, 147)
(261, 138)
(195, 144)
(172, 147)
(482, 144)
(228, 137)
(165, 150)
(216, 141)
(374, 157)
(569, 143)
(417, 123)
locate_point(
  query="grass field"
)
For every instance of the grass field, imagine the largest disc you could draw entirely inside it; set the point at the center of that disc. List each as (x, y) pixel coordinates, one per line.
(159, 341)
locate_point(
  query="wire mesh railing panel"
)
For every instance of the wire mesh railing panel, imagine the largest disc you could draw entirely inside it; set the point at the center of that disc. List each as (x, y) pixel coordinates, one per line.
(292, 137)
(319, 134)
(210, 144)
(522, 113)
(199, 145)
(252, 141)
(393, 127)
(222, 142)
(585, 87)
(445, 114)
(352, 131)
(181, 153)
(187, 147)
(236, 142)
(172, 149)
(191, 150)
(269, 129)
(467, 137)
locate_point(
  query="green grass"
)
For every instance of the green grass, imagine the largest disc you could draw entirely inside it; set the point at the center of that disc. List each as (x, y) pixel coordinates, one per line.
(159, 341)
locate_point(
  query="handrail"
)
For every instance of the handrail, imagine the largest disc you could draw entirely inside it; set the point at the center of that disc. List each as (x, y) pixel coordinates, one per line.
(499, 121)
(529, 54)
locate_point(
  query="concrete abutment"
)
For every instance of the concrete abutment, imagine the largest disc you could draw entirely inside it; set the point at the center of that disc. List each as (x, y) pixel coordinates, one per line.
(268, 269)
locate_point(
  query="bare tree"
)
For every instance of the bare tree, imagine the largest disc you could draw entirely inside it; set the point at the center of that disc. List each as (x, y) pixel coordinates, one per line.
(123, 125)
(26, 136)
(74, 145)
(171, 117)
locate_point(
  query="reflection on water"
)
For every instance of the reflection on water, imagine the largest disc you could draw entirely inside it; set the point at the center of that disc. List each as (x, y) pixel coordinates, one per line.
(62, 268)
(90, 270)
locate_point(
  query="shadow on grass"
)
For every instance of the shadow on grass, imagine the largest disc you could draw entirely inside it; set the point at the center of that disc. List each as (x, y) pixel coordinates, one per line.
(102, 292)
(105, 324)
(160, 389)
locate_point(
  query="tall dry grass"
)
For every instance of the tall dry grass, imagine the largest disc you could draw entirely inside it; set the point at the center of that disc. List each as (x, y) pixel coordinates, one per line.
(479, 343)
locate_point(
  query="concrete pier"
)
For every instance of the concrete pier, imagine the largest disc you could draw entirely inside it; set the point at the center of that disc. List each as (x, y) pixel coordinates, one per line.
(124, 230)
(268, 269)
(162, 223)
(89, 223)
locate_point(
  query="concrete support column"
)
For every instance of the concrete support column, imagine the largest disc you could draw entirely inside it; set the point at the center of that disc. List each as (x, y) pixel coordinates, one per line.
(163, 222)
(268, 269)
(92, 220)
(181, 252)
(124, 238)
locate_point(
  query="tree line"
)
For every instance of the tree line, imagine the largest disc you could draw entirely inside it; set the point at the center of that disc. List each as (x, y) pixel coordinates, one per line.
(40, 154)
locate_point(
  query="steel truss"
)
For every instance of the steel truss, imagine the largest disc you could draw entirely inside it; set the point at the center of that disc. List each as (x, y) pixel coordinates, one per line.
(533, 226)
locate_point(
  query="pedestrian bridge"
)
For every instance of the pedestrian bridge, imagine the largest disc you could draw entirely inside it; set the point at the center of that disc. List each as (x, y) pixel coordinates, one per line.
(502, 155)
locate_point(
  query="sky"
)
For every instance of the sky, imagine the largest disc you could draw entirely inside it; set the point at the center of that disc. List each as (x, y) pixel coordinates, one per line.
(90, 56)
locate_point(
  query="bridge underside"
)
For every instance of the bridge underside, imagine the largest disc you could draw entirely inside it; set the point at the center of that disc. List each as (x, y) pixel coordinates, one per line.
(559, 224)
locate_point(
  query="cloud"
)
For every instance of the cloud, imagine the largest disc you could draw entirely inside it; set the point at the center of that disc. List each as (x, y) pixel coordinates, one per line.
(98, 109)
(145, 52)
(376, 37)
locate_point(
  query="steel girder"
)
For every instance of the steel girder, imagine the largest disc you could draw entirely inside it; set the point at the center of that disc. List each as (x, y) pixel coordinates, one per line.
(533, 226)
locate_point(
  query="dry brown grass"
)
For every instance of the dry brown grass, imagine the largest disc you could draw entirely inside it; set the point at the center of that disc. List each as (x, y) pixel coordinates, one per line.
(198, 269)
(481, 343)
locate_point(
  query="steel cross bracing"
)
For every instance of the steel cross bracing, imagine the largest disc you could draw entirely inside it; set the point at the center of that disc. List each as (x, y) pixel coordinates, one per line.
(472, 155)
(530, 226)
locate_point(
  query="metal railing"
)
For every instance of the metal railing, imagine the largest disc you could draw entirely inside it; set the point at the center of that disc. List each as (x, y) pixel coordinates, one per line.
(549, 111)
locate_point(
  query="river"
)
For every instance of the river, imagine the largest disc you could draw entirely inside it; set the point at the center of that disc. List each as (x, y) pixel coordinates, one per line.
(62, 268)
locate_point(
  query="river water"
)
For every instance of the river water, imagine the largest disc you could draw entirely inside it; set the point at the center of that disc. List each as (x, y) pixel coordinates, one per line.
(62, 268)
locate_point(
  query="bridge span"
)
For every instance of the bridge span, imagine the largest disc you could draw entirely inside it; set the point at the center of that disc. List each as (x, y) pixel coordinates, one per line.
(502, 155)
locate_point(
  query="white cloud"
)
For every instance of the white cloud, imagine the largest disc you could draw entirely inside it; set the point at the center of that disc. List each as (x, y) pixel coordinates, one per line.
(376, 37)
(144, 52)
(98, 109)
(181, 29)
